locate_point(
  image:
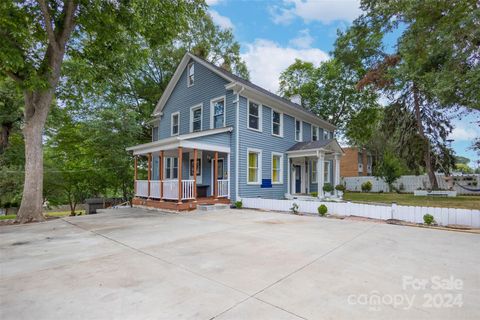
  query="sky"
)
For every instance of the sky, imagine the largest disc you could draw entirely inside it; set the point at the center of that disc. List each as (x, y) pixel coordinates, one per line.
(272, 34)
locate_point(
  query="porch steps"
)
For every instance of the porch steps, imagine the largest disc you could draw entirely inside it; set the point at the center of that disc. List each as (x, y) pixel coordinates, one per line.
(211, 207)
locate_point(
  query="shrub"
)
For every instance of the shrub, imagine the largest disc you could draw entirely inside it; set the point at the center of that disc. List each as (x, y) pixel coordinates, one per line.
(322, 210)
(314, 194)
(327, 187)
(238, 204)
(428, 219)
(366, 186)
(294, 208)
(340, 187)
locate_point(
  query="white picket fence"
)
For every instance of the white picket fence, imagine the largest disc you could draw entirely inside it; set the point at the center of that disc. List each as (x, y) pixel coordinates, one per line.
(412, 183)
(443, 216)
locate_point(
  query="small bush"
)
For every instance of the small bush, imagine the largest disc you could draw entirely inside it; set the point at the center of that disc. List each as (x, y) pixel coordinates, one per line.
(238, 204)
(322, 210)
(428, 219)
(340, 187)
(314, 194)
(327, 187)
(294, 208)
(366, 186)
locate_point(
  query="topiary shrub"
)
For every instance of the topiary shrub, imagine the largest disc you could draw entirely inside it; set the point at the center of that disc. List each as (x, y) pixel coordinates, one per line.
(327, 187)
(340, 187)
(428, 219)
(238, 204)
(366, 186)
(314, 194)
(322, 210)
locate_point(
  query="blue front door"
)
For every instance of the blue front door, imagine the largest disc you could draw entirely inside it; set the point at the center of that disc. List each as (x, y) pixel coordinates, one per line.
(298, 179)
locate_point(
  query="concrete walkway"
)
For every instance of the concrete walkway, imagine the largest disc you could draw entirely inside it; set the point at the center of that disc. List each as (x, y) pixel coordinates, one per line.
(235, 264)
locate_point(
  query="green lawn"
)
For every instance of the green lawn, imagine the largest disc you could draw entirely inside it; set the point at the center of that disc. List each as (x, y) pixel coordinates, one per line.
(464, 202)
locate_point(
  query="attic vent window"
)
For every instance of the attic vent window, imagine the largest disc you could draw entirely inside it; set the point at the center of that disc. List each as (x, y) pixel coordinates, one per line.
(190, 74)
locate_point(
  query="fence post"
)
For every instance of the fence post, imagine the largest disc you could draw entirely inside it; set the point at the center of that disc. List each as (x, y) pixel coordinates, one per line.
(394, 209)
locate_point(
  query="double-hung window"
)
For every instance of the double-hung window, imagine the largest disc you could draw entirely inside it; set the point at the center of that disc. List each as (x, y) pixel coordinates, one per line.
(277, 120)
(190, 74)
(254, 163)
(196, 118)
(217, 111)
(314, 133)
(277, 168)
(254, 116)
(175, 123)
(298, 130)
(325, 134)
(326, 172)
(171, 168)
(314, 171)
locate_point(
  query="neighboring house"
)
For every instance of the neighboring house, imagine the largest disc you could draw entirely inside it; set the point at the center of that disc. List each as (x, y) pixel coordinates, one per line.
(356, 162)
(218, 138)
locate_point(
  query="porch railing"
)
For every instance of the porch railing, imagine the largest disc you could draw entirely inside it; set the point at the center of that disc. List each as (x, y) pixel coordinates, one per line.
(223, 188)
(187, 189)
(170, 189)
(142, 188)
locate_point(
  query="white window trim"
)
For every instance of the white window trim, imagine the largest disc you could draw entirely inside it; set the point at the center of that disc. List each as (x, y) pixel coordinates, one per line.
(260, 115)
(259, 170)
(281, 123)
(327, 166)
(171, 123)
(280, 181)
(224, 111)
(200, 105)
(318, 132)
(314, 167)
(188, 75)
(295, 130)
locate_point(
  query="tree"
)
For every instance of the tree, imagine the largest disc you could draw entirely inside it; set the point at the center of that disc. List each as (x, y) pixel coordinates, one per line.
(390, 169)
(91, 31)
(464, 168)
(329, 91)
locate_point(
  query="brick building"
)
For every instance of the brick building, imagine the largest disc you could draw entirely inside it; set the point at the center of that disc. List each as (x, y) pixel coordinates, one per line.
(356, 162)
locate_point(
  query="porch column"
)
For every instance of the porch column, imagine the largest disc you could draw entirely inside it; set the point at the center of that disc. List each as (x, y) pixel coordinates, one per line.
(135, 175)
(149, 173)
(179, 170)
(337, 171)
(289, 173)
(195, 174)
(160, 174)
(215, 176)
(228, 175)
(320, 173)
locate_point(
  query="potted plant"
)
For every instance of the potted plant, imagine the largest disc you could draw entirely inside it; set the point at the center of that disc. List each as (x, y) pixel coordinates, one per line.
(328, 188)
(340, 189)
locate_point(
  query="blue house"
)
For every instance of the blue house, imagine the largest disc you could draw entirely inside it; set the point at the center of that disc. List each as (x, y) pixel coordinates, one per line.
(219, 138)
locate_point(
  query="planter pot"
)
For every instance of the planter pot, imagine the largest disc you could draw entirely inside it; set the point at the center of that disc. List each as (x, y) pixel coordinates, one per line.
(328, 194)
(340, 193)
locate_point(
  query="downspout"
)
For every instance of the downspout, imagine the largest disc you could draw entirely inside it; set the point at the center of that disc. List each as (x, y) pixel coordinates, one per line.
(237, 156)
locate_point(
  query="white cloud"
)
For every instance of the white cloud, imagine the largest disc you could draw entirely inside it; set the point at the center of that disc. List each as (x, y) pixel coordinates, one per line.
(212, 2)
(463, 134)
(222, 21)
(265, 60)
(303, 41)
(325, 11)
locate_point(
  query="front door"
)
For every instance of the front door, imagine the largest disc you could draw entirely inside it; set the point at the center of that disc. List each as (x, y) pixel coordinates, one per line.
(298, 179)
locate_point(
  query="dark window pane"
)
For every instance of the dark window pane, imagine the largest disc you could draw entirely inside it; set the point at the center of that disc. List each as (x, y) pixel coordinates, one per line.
(253, 109)
(218, 121)
(276, 117)
(253, 122)
(276, 128)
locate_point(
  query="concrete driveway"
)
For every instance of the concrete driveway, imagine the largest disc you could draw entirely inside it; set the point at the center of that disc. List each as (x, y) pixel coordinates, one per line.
(235, 264)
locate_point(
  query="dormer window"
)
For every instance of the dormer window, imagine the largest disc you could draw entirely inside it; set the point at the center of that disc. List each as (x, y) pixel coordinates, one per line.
(190, 74)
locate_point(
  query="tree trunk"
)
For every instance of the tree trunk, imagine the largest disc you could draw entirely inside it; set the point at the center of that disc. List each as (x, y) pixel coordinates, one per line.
(37, 106)
(427, 152)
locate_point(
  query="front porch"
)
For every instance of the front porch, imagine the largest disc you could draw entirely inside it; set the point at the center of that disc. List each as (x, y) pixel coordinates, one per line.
(181, 175)
(311, 165)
